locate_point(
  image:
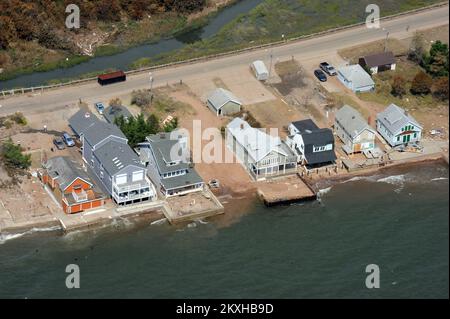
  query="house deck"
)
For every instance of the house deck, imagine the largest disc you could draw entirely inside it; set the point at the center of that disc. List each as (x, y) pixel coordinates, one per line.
(285, 190)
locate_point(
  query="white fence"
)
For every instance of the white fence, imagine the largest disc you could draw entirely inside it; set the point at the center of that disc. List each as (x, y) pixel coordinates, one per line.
(11, 92)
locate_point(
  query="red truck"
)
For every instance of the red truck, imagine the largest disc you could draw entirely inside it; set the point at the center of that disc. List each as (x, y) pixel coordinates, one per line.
(110, 78)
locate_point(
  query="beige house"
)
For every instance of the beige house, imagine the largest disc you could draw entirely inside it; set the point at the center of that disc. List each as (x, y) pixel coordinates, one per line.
(353, 131)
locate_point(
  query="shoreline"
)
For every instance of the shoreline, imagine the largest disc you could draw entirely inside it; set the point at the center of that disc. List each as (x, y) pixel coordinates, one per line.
(239, 205)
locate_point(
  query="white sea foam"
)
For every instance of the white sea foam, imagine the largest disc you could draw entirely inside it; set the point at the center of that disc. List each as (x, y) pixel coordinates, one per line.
(201, 221)
(394, 180)
(324, 191)
(159, 221)
(439, 179)
(6, 237)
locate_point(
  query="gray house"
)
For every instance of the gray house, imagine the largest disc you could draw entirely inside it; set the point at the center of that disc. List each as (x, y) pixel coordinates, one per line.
(113, 112)
(168, 161)
(356, 78)
(81, 121)
(354, 131)
(261, 154)
(116, 166)
(223, 102)
(397, 126)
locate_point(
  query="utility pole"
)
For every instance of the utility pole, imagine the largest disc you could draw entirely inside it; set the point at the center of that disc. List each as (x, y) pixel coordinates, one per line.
(151, 81)
(271, 64)
(386, 42)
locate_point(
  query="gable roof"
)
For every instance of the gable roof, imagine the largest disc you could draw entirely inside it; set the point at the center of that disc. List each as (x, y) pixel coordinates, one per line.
(379, 59)
(394, 118)
(318, 137)
(257, 143)
(81, 121)
(220, 97)
(357, 75)
(65, 170)
(162, 145)
(260, 67)
(353, 123)
(99, 131)
(111, 112)
(305, 125)
(115, 156)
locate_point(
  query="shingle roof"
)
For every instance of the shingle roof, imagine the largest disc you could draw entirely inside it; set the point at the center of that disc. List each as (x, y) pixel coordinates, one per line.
(111, 112)
(65, 170)
(220, 97)
(115, 156)
(100, 131)
(318, 137)
(379, 59)
(350, 119)
(356, 74)
(81, 121)
(305, 125)
(162, 145)
(394, 118)
(257, 143)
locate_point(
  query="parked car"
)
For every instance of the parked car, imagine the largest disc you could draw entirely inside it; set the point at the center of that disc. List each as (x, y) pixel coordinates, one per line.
(100, 107)
(328, 68)
(59, 143)
(320, 75)
(68, 139)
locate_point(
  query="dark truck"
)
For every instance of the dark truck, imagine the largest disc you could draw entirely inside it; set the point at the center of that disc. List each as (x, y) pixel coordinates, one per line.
(110, 78)
(328, 68)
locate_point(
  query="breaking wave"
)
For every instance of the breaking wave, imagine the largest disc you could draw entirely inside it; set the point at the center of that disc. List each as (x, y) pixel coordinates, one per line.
(6, 237)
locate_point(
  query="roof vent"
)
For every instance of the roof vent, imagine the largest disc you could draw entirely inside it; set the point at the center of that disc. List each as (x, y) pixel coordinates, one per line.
(87, 115)
(242, 126)
(353, 117)
(308, 131)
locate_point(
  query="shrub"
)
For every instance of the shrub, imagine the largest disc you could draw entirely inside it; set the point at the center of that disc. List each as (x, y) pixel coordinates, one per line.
(13, 157)
(440, 88)
(421, 84)
(398, 86)
(141, 98)
(19, 118)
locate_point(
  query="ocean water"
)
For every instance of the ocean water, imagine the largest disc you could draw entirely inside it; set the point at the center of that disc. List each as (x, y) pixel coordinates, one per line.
(398, 220)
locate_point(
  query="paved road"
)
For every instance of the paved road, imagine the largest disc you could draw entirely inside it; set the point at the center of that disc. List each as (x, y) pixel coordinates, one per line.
(315, 47)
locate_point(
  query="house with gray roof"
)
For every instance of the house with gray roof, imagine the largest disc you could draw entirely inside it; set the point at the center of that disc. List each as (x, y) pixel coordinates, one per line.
(356, 78)
(116, 166)
(223, 102)
(314, 146)
(398, 127)
(353, 130)
(81, 121)
(261, 154)
(115, 111)
(167, 157)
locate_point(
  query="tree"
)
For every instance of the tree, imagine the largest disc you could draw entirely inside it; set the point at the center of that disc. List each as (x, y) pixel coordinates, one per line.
(437, 61)
(8, 32)
(421, 84)
(440, 88)
(398, 86)
(13, 157)
(417, 49)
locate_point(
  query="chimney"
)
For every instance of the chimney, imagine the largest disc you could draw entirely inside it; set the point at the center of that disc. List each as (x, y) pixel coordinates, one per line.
(242, 126)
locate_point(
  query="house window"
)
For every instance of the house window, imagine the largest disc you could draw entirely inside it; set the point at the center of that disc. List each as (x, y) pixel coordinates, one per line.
(398, 138)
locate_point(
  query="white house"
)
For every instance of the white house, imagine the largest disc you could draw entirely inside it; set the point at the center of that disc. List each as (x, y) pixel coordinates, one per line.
(397, 126)
(261, 154)
(356, 78)
(353, 131)
(260, 69)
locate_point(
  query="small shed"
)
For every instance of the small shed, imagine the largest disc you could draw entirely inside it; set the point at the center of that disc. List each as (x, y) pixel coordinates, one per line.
(260, 69)
(378, 62)
(223, 102)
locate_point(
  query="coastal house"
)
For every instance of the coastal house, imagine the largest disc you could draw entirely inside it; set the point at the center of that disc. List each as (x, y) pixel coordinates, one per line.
(314, 146)
(353, 130)
(81, 121)
(115, 111)
(71, 185)
(356, 78)
(167, 158)
(379, 62)
(260, 70)
(116, 166)
(261, 154)
(398, 127)
(223, 102)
